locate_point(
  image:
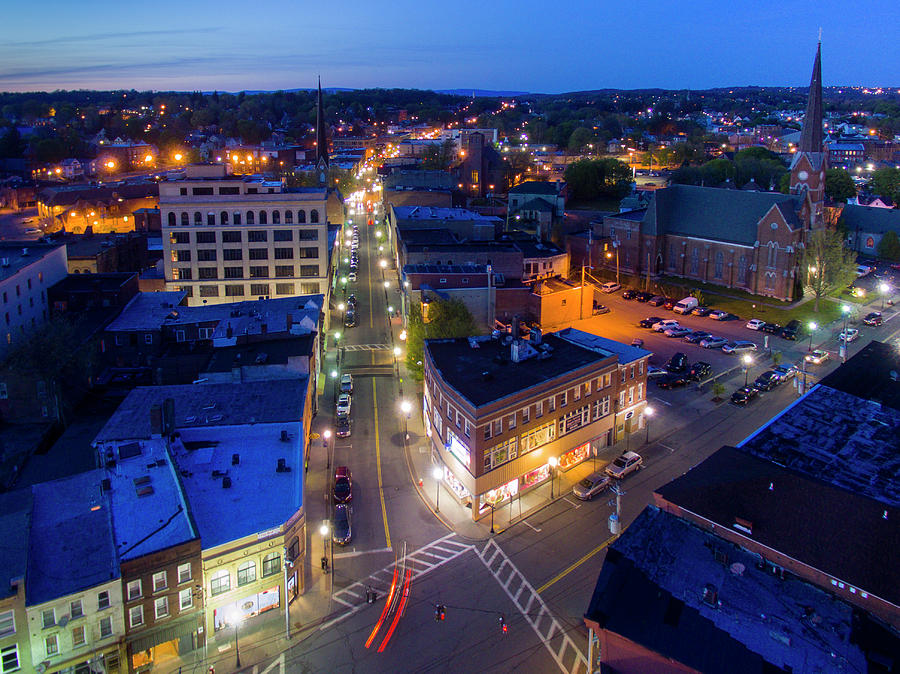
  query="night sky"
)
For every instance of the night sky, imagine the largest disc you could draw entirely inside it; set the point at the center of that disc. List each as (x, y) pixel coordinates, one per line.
(528, 45)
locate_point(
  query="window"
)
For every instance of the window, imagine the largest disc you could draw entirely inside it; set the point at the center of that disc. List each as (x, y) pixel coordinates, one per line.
(284, 270)
(251, 219)
(284, 253)
(526, 414)
(630, 395)
(510, 422)
(102, 600)
(7, 623)
(772, 255)
(237, 218)
(185, 220)
(623, 374)
(257, 236)
(223, 217)
(283, 235)
(198, 218)
(309, 270)
(263, 218)
(184, 573)
(75, 609)
(134, 589)
(631, 373)
(576, 393)
(309, 235)
(770, 280)
(9, 658)
(201, 191)
(259, 253)
(234, 272)
(136, 615)
(640, 368)
(289, 217)
(181, 256)
(206, 237)
(538, 437)
(51, 645)
(276, 217)
(271, 564)
(160, 582)
(500, 454)
(498, 426)
(301, 217)
(232, 236)
(695, 261)
(607, 380)
(622, 400)
(229, 190)
(284, 288)
(487, 432)
(162, 607)
(210, 218)
(206, 255)
(232, 254)
(742, 270)
(468, 428)
(572, 421)
(179, 237)
(78, 636)
(234, 291)
(309, 253)
(563, 398)
(551, 403)
(207, 273)
(539, 409)
(105, 627)
(219, 582)
(209, 291)
(314, 216)
(640, 393)
(720, 263)
(148, 338)
(185, 599)
(870, 242)
(246, 573)
(309, 288)
(48, 618)
(600, 408)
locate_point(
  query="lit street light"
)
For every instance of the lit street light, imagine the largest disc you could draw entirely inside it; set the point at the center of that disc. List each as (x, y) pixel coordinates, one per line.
(845, 309)
(324, 531)
(648, 412)
(437, 474)
(812, 329)
(235, 617)
(748, 361)
(883, 287)
(552, 462)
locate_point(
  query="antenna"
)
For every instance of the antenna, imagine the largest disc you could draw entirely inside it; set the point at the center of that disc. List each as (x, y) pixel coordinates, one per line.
(820, 34)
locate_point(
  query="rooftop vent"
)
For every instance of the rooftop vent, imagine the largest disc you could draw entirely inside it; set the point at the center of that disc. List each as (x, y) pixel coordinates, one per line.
(24, 252)
(710, 596)
(4, 261)
(284, 435)
(145, 491)
(143, 479)
(235, 459)
(282, 467)
(226, 482)
(106, 484)
(743, 525)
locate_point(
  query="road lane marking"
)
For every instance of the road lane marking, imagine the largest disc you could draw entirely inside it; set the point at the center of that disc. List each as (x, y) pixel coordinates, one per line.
(359, 553)
(562, 574)
(387, 533)
(531, 526)
(571, 503)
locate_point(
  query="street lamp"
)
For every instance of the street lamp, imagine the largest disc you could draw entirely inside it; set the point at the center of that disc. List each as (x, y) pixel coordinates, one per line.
(747, 360)
(324, 531)
(437, 474)
(883, 287)
(396, 352)
(552, 462)
(845, 309)
(387, 284)
(609, 257)
(648, 412)
(235, 617)
(812, 329)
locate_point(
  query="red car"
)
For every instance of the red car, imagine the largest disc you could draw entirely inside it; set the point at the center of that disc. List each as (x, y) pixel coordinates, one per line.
(343, 485)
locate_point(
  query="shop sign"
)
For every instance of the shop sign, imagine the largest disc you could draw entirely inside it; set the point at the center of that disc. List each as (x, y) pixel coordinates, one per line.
(457, 449)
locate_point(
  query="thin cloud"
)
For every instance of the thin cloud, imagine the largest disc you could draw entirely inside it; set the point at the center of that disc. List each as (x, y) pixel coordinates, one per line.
(69, 39)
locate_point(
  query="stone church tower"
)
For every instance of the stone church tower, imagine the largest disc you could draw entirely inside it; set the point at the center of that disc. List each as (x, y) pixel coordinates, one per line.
(811, 160)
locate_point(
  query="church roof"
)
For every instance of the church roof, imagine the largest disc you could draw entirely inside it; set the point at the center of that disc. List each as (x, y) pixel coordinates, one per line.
(712, 213)
(811, 136)
(871, 219)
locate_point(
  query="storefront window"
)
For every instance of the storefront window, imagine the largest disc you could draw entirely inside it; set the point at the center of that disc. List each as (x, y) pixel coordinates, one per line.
(575, 456)
(454, 484)
(496, 496)
(457, 448)
(536, 476)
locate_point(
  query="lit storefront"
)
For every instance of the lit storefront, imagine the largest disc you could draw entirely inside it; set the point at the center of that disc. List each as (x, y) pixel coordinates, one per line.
(574, 456)
(495, 497)
(249, 607)
(535, 477)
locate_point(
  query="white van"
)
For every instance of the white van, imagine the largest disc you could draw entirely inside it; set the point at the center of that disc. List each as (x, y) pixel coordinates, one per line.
(685, 306)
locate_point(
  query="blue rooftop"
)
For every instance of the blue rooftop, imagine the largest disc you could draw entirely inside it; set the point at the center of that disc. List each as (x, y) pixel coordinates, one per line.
(15, 513)
(149, 512)
(609, 347)
(259, 498)
(71, 544)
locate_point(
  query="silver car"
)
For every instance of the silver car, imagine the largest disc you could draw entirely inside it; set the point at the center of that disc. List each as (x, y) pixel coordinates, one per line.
(624, 465)
(589, 487)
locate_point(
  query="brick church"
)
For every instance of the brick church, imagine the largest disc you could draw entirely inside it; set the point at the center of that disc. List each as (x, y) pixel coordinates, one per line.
(743, 239)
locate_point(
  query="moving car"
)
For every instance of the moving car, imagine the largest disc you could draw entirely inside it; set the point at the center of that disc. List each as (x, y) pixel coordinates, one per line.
(767, 381)
(873, 318)
(701, 311)
(343, 485)
(671, 381)
(341, 532)
(713, 342)
(697, 336)
(624, 465)
(817, 357)
(656, 301)
(755, 324)
(677, 363)
(342, 428)
(849, 335)
(650, 321)
(610, 287)
(677, 331)
(346, 383)
(698, 371)
(665, 324)
(589, 487)
(352, 277)
(743, 395)
(739, 346)
(350, 319)
(343, 405)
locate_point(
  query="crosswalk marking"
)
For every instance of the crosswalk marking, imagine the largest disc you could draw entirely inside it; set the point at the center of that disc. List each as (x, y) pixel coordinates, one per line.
(561, 647)
(366, 347)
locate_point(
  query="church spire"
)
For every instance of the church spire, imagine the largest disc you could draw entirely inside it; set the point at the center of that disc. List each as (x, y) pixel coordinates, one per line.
(811, 136)
(321, 138)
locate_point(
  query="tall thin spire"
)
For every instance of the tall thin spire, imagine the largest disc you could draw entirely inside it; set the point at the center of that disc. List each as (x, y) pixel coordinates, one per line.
(812, 137)
(321, 136)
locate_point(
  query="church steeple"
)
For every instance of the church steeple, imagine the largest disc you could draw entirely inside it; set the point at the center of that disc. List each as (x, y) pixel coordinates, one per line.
(811, 136)
(321, 139)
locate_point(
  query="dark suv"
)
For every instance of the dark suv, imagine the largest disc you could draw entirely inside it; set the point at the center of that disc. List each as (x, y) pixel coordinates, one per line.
(698, 371)
(791, 330)
(677, 363)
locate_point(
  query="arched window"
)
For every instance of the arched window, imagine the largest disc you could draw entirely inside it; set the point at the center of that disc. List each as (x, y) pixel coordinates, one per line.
(289, 217)
(219, 582)
(246, 573)
(772, 260)
(742, 270)
(276, 217)
(770, 280)
(870, 242)
(272, 561)
(263, 218)
(314, 215)
(223, 217)
(720, 262)
(250, 218)
(198, 218)
(237, 217)
(695, 261)
(672, 256)
(301, 217)
(172, 220)
(184, 218)
(210, 218)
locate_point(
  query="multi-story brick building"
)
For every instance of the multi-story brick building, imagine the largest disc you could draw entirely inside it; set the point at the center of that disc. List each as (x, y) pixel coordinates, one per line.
(498, 410)
(227, 238)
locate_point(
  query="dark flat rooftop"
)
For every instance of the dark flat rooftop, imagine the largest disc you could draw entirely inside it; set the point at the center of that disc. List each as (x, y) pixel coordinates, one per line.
(485, 373)
(867, 375)
(837, 531)
(272, 352)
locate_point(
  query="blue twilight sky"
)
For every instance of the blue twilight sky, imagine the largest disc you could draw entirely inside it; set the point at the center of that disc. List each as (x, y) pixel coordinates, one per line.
(524, 45)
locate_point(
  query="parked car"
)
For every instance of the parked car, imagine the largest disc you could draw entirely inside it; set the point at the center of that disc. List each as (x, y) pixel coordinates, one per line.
(342, 428)
(624, 465)
(743, 395)
(600, 309)
(589, 487)
(637, 341)
(656, 301)
(669, 304)
(650, 321)
(665, 324)
(767, 381)
(677, 363)
(713, 342)
(629, 294)
(677, 331)
(848, 335)
(653, 371)
(698, 371)
(817, 357)
(771, 329)
(341, 531)
(719, 315)
(791, 330)
(696, 337)
(739, 346)
(787, 372)
(610, 287)
(864, 270)
(873, 318)
(700, 311)
(671, 381)
(755, 324)
(343, 485)
(346, 383)
(686, 306)
(643, 296)
(343, 405)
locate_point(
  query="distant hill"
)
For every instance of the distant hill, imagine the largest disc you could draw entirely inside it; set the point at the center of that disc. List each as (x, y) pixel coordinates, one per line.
(487, 93)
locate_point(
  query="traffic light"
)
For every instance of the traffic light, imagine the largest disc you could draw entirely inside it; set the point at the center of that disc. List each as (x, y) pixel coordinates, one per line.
(503, 626)
(440, 612)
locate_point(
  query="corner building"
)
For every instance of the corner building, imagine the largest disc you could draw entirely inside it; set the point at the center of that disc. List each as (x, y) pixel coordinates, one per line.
(498, 409)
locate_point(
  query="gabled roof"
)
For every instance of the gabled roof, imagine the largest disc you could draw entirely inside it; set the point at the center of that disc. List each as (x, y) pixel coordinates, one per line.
(537, 204)
(536, 187)
(871, 219)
